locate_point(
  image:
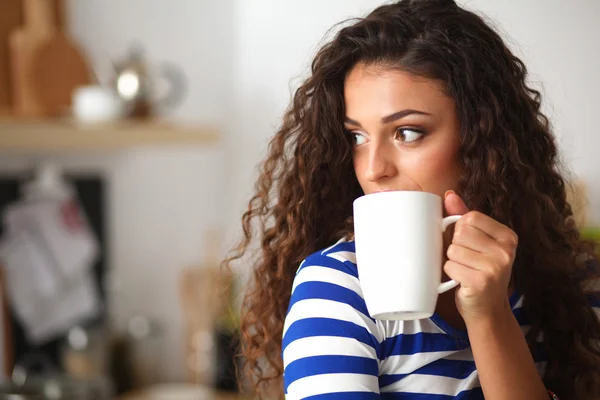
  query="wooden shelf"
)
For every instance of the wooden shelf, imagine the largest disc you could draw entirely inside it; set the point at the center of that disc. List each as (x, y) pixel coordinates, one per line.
(43, 136)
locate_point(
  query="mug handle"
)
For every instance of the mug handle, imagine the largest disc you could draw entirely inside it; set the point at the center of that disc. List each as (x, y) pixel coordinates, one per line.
(446, 222)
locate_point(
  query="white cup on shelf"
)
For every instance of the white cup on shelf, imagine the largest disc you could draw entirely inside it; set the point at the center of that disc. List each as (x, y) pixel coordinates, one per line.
(96, 104)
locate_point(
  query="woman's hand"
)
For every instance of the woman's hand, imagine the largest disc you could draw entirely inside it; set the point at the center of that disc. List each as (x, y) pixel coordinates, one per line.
(480, 258)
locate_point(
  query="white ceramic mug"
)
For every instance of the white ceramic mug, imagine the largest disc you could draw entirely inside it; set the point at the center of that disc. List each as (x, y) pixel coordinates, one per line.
(399, 245)
(94, 104)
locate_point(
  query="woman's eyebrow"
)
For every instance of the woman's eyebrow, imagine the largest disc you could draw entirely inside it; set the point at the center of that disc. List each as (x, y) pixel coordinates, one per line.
(390, 118)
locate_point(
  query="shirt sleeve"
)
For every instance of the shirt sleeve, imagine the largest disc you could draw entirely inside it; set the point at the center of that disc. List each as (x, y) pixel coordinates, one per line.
(329, 341)
(592, 287)
(594, 302)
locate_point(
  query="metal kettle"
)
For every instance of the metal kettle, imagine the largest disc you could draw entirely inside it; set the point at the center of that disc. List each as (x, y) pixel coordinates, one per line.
(136, 81)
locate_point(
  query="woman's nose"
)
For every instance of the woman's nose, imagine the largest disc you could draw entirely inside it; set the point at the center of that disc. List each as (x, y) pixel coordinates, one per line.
(380, 163)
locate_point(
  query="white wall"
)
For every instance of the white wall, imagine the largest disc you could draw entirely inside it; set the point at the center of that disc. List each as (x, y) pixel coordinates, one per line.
(240, 57)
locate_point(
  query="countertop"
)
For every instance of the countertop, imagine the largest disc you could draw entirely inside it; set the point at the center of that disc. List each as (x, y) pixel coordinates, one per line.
(184, 394)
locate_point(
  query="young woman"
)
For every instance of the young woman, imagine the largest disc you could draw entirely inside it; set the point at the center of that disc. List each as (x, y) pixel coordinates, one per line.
(420, 95)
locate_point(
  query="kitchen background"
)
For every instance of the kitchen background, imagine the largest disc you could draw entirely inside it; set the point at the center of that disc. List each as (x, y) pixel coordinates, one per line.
(168, 205)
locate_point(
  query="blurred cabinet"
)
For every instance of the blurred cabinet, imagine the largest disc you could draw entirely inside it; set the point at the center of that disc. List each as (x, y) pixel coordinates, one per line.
(167, 186)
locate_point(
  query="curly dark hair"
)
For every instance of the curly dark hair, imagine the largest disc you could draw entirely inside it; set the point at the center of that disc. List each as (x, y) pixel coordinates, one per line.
(511, 172)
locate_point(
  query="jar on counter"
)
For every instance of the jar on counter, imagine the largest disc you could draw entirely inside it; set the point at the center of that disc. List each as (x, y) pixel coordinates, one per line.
(85, 353)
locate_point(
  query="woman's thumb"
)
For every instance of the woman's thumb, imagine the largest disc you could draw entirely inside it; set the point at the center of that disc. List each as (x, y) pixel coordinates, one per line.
(453, 204)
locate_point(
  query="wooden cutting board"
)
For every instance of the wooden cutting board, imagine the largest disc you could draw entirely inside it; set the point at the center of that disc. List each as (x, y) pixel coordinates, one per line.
(23, 43)
(11, 17)
(46, 65)
(58, 69)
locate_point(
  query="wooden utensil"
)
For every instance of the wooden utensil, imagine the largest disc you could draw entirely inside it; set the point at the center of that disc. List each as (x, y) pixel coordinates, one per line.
(23, 43)
(11, 17)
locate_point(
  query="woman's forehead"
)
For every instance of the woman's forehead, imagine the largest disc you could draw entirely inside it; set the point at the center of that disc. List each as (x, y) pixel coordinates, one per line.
(390, 90)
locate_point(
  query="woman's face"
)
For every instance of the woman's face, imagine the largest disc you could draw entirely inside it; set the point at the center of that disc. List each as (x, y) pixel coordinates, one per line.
(405, 130)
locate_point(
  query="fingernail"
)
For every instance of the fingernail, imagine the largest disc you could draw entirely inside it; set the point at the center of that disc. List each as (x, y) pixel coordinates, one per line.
(448, 192)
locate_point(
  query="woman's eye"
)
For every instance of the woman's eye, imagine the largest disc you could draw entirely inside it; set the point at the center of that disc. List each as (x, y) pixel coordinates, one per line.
(408, 135)
(358, 138)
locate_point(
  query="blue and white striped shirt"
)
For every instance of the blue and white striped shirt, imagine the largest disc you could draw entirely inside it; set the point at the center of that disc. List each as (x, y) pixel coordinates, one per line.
(333, 349)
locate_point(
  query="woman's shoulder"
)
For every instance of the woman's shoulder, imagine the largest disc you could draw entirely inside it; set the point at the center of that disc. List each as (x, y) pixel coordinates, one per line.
(339, 257)
(326, 287)
(330, 344)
